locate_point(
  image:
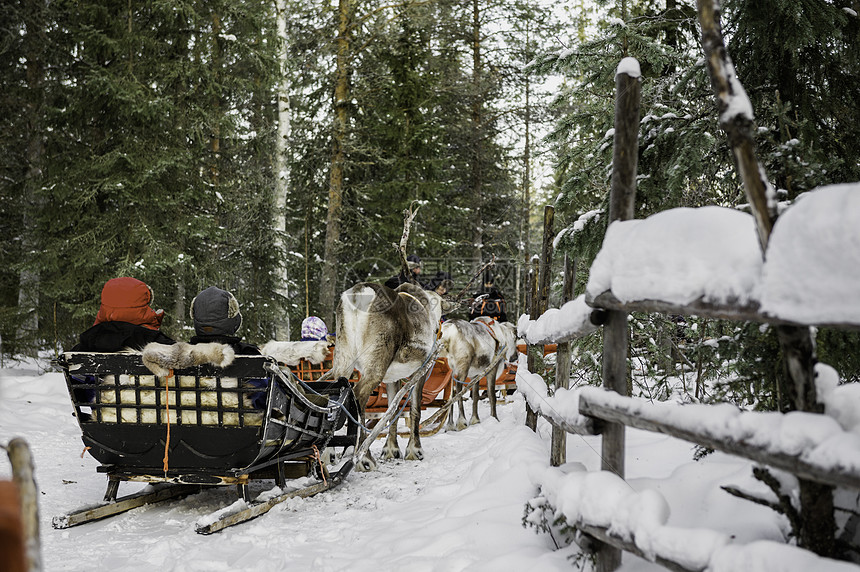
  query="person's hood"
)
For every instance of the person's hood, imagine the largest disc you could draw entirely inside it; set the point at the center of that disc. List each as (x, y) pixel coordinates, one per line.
(128, 299)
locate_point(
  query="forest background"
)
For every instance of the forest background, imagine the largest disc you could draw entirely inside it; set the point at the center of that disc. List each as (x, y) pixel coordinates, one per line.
(270, 148)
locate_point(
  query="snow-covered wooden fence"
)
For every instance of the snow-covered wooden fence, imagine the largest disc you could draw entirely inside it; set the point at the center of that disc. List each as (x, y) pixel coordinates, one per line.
(799, 271)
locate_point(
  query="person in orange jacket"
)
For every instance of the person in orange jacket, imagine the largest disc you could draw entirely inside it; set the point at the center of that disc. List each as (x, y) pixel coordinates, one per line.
(125, 319)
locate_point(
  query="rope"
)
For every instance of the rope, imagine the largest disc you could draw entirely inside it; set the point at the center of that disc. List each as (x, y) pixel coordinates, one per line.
(166, 459)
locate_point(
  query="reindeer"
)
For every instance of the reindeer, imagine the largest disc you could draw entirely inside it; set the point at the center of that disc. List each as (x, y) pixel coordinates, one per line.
(386, 335)
(470, 348)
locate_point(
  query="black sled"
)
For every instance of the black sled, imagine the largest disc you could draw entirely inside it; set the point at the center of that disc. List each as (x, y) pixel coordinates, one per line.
(204, 426)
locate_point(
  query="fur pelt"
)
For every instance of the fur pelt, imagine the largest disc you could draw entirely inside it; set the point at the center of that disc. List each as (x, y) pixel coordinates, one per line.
(291, 353)
(161, 358)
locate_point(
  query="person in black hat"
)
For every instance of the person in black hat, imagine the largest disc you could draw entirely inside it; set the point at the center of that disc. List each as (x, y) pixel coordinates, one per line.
(489, 302)
(216, 317)
(441, 283)
(414, 265)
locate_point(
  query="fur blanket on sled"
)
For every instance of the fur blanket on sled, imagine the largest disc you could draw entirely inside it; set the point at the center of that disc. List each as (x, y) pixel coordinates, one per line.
(161, 358)
(291, 353)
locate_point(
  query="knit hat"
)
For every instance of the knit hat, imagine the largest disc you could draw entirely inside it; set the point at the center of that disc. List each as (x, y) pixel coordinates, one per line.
(215, 312)
(127, 299)
(413, 262)
(313, 328)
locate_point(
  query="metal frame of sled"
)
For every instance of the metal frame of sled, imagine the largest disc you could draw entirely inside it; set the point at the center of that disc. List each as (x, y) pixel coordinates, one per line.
(204, 426)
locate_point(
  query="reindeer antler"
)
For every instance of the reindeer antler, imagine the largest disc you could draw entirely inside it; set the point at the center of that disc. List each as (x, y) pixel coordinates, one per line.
(492, 262)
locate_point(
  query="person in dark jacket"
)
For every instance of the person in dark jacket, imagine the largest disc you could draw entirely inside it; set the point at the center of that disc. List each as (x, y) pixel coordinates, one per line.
(489, 302)
(125, 319)
(414, 265)
(441, 283)
(216, 317)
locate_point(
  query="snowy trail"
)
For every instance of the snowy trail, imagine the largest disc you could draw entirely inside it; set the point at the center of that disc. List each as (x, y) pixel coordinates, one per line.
(460, 509)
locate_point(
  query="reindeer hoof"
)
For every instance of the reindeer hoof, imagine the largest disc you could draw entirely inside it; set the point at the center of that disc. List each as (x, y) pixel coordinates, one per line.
(388, 454)
(474, 421)
(461, 424)
(365, 465)
(415, 455)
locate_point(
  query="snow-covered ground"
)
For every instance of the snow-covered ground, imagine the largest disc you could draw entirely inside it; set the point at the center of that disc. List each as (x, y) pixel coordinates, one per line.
(460, 509)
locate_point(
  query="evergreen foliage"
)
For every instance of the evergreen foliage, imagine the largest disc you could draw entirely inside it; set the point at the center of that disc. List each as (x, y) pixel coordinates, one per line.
(147, 170)
(794, 63)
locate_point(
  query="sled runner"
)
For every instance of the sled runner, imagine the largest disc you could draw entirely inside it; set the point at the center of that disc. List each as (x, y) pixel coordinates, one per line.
(204, 426)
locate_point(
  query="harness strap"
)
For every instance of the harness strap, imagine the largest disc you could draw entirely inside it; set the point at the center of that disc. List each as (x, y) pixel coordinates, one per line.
(492, 334)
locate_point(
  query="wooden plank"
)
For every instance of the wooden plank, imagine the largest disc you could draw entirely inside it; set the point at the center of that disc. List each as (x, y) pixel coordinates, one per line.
(531, 416)
(124, 504)
(590, 428)
(545, 279)
(793, 464)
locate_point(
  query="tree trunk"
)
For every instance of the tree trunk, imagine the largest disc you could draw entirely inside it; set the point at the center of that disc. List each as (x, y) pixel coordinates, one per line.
(524, 219)
(282, 178)
(477, 138)
(28, 283)
(328, 282)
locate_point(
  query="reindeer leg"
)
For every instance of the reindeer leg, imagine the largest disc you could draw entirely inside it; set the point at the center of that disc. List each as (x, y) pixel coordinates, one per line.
(391, 450)
(475, 393)
(449, 424)
(491, 391)
(461, 420)
(414, 452)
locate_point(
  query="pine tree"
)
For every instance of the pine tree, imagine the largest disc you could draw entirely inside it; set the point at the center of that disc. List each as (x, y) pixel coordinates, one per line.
(134, 182)
(799, 64)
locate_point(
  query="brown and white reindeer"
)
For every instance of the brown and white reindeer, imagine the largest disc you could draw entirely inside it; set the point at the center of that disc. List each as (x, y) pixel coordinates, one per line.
(470, 348)
(386, 335)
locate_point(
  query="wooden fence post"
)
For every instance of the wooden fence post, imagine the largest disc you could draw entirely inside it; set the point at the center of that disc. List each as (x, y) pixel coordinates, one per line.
(540, 293)
(546, 259)
(818, 525)
(558, 454)
(22, 476)
(531, 416)
(622, 196)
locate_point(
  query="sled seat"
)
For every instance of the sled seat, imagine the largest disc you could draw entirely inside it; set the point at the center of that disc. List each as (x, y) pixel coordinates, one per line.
(437, 390)
(230, 420)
